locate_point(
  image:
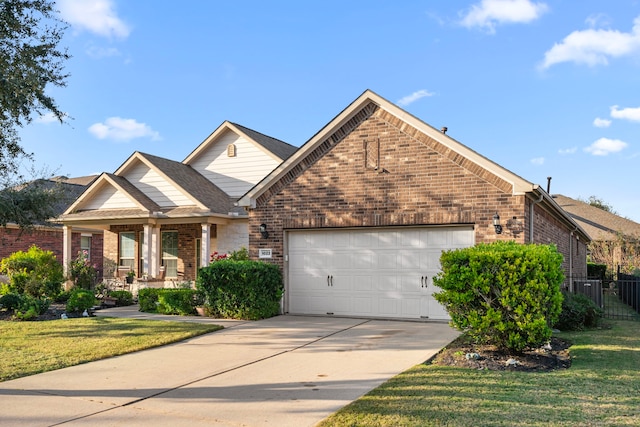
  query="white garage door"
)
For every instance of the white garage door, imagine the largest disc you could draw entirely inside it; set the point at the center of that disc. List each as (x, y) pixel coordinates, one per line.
(385, 273)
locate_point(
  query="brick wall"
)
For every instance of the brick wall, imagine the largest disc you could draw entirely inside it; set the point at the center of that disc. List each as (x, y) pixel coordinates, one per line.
(49, 239)
(548, 229)
(417, 182)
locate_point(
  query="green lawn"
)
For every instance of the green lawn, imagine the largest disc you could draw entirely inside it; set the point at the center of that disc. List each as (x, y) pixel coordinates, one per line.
(602, 388)
(28, 348)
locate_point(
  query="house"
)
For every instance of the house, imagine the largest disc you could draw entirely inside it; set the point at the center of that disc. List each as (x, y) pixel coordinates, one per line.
(49, 236)
(615, 240)
(163, 218)
(357, 218)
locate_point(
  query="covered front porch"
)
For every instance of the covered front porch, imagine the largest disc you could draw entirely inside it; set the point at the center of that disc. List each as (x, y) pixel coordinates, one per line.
(160, 250)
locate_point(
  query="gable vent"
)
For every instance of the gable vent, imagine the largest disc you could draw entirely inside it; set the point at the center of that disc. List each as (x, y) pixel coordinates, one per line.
(231, 150)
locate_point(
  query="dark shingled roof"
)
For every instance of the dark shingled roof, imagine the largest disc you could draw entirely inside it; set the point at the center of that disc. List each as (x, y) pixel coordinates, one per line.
(277, 147)
(598, 223)
(194, 183)
(134, 191)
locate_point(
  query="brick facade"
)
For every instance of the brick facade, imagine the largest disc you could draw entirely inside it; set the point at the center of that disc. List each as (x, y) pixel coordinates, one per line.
(377, 170)
(49, 239)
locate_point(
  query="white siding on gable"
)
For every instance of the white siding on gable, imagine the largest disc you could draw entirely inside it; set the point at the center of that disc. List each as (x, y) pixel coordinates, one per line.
(109, 197)
(156, 187)
(234, 175)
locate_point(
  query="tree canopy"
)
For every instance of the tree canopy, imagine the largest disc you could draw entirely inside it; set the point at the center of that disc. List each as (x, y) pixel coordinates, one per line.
(31, 61)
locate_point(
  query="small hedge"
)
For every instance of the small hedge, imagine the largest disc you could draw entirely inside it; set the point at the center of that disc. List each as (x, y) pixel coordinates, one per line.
(505, 294)
(578, 312)
(241, 289)
(123, 298)
(80, 300)
(167, 301)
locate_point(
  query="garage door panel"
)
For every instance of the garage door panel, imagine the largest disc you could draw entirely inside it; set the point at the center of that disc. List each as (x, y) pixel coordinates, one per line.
(363, 284)
(363, 306)
(387, 283)
(409, 260)
(384, 273)
(410, 239)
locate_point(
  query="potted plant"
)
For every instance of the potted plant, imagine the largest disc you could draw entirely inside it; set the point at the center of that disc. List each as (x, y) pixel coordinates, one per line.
(130, 275)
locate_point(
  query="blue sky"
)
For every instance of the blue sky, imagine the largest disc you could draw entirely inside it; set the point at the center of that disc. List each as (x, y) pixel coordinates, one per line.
(543, 88)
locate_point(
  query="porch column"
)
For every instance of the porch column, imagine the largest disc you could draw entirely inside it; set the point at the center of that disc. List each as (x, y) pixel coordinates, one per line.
(155, 256)
(146, 251)
(205, 245)
(66, 248)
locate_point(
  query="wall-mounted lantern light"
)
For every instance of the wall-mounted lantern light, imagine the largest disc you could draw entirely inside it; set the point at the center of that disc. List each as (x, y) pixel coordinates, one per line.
(496, 223)
(263, 231)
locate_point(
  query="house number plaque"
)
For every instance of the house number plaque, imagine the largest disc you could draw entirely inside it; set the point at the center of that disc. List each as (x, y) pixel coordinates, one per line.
(264, 253)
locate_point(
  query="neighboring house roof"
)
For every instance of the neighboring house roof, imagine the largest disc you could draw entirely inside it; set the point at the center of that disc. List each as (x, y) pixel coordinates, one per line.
(600, 224)
(70, 189)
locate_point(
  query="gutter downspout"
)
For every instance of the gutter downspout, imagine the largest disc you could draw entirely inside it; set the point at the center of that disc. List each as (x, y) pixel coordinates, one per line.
(571, 260)
(531, 208)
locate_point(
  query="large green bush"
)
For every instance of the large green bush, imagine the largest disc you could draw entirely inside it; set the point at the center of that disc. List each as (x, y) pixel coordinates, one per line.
(35, 272)
(241, 289)
(504, 293)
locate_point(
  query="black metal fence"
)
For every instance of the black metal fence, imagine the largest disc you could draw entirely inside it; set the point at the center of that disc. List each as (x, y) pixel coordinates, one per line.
(619, 297)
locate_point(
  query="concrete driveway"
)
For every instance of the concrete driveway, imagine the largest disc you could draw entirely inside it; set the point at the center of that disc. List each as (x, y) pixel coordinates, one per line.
(283, 371)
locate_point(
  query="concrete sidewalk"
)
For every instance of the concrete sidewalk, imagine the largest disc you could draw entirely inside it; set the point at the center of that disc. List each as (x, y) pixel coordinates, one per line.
(283, 371)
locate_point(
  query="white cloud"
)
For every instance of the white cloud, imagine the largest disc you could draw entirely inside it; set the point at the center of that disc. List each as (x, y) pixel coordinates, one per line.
(632, 114)
(489, 13)
(120, 129)
(594, 47)
(605, 146)
(571, 150)
(409, 99)
(538, 161)
(101, 52)
(97, 16)
(601, 123)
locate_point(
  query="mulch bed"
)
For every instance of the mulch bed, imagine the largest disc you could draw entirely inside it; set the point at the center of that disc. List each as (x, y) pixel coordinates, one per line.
(463, 354)
(54, 312)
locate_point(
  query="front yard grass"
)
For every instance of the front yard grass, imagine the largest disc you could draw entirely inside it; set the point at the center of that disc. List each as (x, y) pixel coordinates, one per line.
(601, 388)
(28, 348)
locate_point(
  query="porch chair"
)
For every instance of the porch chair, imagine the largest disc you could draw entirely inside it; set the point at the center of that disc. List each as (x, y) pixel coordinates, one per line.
(123, 270)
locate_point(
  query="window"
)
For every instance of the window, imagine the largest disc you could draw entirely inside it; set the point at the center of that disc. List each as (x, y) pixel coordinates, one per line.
(170, 253)
(127, 249)
(85, 246)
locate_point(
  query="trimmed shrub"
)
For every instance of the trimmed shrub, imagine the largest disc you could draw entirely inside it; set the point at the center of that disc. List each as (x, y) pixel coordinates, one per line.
(80, 300)
(123, 298)
(505, 294)
(35, 272)
(241, 289)
(578, 312)
(177, 301)
(148, 299)
(31, 307)
(168, 301)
